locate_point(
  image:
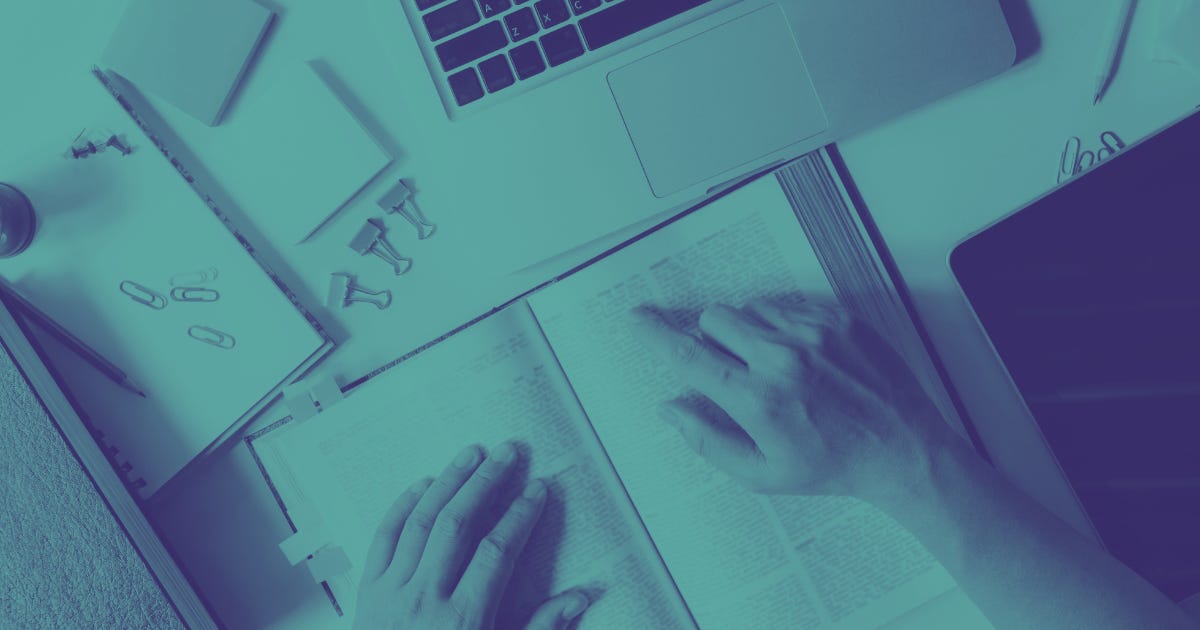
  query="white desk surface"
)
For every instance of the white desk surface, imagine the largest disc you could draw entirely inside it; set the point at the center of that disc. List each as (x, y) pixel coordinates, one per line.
(929, 179)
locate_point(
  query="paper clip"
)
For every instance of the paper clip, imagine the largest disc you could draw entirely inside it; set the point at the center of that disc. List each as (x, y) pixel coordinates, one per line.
(194, 278)
(344, 290)
(212, 337)
(1075, 159)
(143, 295)
(400, 201)
(194, 294)
(370, 240)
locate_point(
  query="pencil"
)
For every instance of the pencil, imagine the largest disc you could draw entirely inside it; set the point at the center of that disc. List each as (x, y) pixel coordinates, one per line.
(77, 345)
(1108, 63)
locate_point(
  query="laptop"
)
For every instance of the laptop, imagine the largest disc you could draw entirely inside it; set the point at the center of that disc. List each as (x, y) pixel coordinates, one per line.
(1089, 297)
(580, 117)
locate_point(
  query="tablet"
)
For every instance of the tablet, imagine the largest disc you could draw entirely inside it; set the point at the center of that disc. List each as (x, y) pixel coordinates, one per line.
(1091, 297)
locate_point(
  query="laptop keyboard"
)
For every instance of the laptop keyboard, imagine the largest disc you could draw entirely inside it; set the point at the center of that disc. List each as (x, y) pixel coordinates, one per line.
(485, 46)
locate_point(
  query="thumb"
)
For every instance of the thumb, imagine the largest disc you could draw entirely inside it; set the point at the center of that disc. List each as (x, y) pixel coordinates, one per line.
(720, 442)
(558, 612)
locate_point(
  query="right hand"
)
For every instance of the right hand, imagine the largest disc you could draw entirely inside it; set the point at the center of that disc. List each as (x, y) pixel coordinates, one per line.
(434, 565)
(807, 400)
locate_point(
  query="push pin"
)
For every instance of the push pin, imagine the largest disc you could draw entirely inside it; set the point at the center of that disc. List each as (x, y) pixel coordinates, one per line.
(400, 201)
(344, 290)
(370, 240)
(83, 149)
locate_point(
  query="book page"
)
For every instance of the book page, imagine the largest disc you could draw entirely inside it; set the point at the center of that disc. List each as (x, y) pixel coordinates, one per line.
(492, 382)
(740, 560)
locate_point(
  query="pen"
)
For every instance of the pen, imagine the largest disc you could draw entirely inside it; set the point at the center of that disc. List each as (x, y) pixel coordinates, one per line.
(82, 349)
(1108, 64)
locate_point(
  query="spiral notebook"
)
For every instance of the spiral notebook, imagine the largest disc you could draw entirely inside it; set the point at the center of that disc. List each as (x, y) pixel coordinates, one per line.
(142, 266)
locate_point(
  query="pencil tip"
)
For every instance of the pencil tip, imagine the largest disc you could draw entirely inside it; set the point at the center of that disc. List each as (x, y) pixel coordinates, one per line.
(1096, 101)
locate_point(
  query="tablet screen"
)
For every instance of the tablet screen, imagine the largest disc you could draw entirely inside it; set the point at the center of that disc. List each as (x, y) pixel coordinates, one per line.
(1091, 297)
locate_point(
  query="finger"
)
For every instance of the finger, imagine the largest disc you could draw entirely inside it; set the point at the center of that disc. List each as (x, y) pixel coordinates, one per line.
(456, 530)
(413, 539)
(558, 612)
(734, 330)
(802, 323)
(712, 372)
(478, 592)
(383, 546)
(721, 442)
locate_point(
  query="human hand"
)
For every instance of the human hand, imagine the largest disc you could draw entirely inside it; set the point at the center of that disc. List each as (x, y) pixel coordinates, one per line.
(432, 563)
(808, 400)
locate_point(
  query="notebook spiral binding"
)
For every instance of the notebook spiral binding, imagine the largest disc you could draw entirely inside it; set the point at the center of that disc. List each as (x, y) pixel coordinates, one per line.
(123, 467)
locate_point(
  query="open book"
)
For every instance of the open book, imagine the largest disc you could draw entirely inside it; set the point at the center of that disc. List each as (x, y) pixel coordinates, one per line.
(660, 538)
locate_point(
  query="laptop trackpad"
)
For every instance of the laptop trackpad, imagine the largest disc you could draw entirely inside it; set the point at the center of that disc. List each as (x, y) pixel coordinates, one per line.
(718, 100)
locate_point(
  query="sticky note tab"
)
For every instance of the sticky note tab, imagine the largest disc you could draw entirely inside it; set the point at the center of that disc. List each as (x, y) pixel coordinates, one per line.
(303, 544)
(327, 563)
(327, 393)
(299, 403)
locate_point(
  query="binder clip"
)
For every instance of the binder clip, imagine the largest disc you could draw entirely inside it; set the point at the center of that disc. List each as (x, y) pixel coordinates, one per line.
(370, 240)
(82, 148)
(399, 200)
(343, 290)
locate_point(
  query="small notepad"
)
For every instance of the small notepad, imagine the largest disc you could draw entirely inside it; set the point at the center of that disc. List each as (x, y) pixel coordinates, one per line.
(190, 53)
(292, 155)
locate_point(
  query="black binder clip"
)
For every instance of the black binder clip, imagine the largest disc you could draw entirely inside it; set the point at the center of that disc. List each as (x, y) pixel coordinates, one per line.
(399, 200)
(370, 240)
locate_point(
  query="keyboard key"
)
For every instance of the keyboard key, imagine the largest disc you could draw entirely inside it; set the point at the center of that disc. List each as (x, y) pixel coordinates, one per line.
(626, 18)
(562, 45)
(425, 4)
(583, 6)
(552, 12)
(466, 86)
(496, 73)
(471, 45)
(492, 8)
(451, 18)
(527, 59)
(521, 24)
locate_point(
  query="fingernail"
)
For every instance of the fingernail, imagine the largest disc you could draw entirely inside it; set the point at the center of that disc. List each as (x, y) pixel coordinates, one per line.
(574, 606)
(669, 414)
(534, 490)
(468, 457)
(420, 485)
(505, 453)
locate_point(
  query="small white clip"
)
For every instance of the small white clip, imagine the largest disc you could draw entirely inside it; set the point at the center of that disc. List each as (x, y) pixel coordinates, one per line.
(304, 402)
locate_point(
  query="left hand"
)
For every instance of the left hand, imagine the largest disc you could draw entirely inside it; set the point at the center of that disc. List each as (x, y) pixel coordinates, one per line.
(432, 565)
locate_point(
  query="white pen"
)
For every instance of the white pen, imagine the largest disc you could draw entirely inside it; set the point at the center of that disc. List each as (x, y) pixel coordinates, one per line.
(1108, 67)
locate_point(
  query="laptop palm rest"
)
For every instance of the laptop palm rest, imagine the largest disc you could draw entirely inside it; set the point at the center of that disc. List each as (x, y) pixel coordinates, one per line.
(717, 101)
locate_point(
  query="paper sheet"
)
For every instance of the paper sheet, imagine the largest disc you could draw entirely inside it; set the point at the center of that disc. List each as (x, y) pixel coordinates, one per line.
(112, 219)
(290, 154)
